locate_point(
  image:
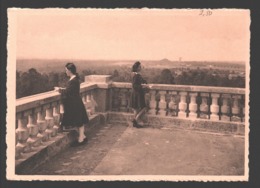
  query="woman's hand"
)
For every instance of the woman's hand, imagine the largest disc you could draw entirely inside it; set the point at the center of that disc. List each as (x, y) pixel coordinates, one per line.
(57, 89)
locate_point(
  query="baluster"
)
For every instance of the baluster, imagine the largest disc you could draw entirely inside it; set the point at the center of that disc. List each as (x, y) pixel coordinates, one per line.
(193, 106)
(50, 122)
(153, 102)
(88, 104)
(42, 125)
(183, 105)
(93, 102)
(33, 128)
(225, 108)
(173, 104)
(204, 107)
(22, 134)
(61, 114)
(243, 108)
(56, 117)
(236, 108)
(214, 108)
(162, 104)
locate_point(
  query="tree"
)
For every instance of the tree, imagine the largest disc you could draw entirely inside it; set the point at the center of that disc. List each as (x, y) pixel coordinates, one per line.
(166, 77)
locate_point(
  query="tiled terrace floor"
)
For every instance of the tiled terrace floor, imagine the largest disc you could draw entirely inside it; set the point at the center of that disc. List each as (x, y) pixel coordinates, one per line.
(124, 150)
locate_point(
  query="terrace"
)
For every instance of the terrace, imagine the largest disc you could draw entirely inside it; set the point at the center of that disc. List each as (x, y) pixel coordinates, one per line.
(209, 122)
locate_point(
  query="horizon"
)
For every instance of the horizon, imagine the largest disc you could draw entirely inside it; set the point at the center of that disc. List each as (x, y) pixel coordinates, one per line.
(144, 60)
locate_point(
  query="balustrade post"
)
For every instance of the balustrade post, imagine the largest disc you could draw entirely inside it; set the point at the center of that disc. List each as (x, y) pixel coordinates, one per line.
(93, 102)
(204, 107)
(236, 108)
(173, 104)
(56, 117)
(153, 102)
(225, 108)
(88, 103)
(33, 128)
(50, 122)
(183, 105)
(22, 134)
(214, 108)
(162, 104)
(193, 106)
(123, 103)
(41, 124)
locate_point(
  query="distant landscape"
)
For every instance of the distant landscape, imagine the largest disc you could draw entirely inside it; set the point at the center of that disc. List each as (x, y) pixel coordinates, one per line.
(46, 66)
(35, 76)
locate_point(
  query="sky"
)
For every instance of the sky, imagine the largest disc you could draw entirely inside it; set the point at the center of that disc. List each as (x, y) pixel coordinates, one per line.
(130, 34)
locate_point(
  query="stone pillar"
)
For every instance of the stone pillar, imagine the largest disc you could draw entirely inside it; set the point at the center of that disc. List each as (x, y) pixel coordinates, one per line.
(204, 107)
(162, 104)
(123, 101)
(193, 106)
(173, 104)
(88, 103)
(183, 105)
(101, 94)
(56, 117)
(225, 108)
(22, 134)
(33, 128)
(236, 108)
(153, 102)
(42, 125)
(214, 108)
(49, 121)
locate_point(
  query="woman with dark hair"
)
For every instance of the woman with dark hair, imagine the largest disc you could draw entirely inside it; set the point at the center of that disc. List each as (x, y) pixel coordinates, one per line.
(74, 110)
(137, 95)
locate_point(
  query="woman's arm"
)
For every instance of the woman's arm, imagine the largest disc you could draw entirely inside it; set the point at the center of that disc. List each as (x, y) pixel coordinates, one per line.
(69, 90)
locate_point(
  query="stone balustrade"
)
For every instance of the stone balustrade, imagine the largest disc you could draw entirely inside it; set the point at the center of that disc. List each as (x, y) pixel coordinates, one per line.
(38, 116)
(192, 102)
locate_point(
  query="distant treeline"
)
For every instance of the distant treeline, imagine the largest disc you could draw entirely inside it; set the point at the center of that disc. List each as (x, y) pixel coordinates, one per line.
(33, 82)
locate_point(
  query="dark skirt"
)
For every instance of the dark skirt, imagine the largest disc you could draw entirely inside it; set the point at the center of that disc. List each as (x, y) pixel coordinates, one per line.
(75, 114)
(137, 100)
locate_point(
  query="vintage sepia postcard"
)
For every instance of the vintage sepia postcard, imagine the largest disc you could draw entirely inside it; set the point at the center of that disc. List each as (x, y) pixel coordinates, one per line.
(128, 94)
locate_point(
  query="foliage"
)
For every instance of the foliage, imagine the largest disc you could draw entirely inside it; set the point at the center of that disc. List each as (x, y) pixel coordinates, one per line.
(33, 82)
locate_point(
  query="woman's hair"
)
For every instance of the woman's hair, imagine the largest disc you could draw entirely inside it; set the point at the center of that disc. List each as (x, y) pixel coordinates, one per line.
(135, 66)
(72, 68)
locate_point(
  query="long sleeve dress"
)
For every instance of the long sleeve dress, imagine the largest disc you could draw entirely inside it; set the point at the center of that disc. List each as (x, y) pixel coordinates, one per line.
(74, 110)
(137, 95)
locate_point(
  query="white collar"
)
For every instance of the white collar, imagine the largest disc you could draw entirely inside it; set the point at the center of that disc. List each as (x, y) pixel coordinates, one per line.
(72, 77)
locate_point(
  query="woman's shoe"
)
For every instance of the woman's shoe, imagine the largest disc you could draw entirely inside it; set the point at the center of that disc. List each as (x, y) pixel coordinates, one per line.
(135, 124)
(75, 144)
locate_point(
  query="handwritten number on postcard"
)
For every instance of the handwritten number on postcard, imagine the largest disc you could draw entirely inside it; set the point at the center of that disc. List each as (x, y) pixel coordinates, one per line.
(205, 13)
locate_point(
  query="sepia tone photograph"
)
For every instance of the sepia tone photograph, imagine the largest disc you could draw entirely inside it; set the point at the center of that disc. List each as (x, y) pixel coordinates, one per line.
(128, 94)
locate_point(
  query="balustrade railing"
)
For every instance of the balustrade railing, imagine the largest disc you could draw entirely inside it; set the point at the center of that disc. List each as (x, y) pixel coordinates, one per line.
(193, 102)
(38, 116)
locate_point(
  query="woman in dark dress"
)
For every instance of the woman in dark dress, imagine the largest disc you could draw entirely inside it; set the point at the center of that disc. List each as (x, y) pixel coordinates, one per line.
(74, 110)
(137, 95)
